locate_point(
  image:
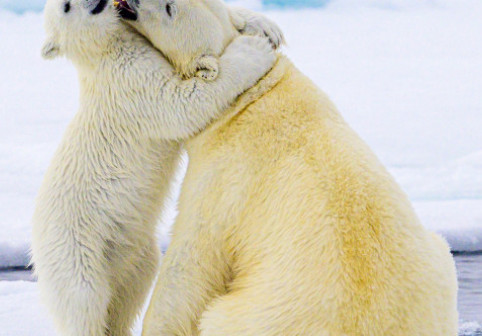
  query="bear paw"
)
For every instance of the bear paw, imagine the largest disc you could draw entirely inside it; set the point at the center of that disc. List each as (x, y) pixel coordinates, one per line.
(207, 68)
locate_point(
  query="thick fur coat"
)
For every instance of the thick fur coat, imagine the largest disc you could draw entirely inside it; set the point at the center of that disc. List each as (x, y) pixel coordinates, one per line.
(289, 225)
(212, 25)
(94, 243)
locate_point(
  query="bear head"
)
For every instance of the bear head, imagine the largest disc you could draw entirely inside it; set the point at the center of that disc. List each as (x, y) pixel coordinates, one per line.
(79, 29)
(187, 32)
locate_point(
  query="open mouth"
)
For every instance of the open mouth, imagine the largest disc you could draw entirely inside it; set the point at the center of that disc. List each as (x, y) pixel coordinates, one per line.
(125, 11)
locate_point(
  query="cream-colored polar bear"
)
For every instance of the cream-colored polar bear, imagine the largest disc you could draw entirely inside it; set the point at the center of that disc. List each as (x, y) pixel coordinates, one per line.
(195, 48)
(289, 225)
(94, 246)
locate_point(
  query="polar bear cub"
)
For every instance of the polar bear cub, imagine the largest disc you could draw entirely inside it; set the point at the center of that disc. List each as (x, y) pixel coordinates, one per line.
(195, 51)
(94, 248)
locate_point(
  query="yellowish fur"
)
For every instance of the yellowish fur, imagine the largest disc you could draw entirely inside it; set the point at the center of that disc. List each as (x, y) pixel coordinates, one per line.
(289, 225)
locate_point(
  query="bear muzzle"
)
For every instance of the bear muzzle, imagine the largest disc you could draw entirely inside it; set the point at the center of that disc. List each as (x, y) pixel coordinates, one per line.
(125, 9)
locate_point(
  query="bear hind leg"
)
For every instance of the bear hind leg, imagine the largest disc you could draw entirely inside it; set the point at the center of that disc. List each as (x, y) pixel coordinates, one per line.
(78, 305)
(231, 315)
(130, 285)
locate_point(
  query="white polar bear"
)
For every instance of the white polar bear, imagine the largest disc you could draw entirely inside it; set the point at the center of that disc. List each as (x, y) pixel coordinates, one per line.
(94, 247)
(163, 22)
(289, 225)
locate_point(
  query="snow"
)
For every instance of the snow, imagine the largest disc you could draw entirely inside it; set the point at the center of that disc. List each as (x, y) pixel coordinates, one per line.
(22, 314)
(470, 329)
(459, 221)
(406, 76)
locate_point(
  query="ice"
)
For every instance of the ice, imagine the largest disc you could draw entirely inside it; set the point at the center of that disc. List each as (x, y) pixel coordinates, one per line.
(406, 80)
(470, 329)
(459, 221)
(21, 313)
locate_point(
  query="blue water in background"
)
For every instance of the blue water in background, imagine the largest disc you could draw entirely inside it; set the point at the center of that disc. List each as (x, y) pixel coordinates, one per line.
(294, 3)
(22, 6)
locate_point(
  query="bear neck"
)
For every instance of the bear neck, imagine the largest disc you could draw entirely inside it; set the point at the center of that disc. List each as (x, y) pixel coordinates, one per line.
(116, 41)
(264, 85)
(98, 73)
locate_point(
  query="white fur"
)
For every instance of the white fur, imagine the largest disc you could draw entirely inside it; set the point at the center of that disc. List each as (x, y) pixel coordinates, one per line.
(94, 247)
(252, 23)
(212, 25)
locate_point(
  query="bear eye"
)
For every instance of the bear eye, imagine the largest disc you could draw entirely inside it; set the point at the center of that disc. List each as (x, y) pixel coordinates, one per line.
(67, 7)
(169, 9)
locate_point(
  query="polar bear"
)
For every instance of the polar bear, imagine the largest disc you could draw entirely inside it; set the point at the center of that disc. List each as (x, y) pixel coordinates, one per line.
(163, 22)
(94, 247)
(289, 225)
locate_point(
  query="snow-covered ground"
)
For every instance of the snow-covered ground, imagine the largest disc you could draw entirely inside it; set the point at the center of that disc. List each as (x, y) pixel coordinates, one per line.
(406, 75)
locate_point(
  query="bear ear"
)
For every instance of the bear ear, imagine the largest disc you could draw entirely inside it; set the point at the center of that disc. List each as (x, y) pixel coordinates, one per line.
(50, 49)
(237, 20)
